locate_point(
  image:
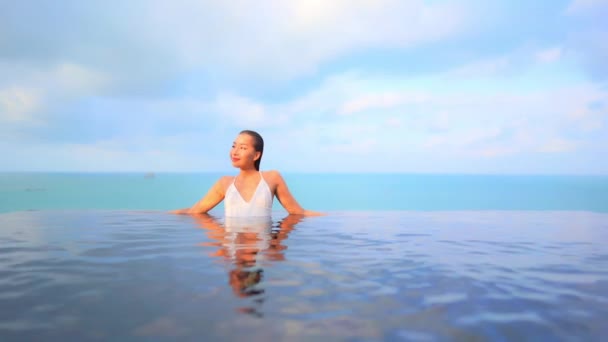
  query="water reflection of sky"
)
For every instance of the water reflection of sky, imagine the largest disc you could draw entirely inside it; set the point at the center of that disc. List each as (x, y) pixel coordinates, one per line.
(369, 275)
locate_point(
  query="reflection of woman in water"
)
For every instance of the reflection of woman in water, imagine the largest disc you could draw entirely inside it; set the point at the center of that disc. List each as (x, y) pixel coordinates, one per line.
(248, 244)
(251, 192)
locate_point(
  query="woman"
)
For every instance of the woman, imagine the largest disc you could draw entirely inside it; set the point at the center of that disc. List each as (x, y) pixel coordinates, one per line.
(251, 192)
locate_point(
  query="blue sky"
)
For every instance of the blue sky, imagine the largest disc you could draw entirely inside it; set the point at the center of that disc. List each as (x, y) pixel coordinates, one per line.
(333, 86)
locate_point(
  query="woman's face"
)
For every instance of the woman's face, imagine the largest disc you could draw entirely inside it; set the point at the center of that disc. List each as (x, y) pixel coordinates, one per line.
(242, 153)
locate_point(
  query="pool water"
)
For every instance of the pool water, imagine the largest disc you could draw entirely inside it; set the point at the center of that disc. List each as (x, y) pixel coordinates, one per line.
(355, 276)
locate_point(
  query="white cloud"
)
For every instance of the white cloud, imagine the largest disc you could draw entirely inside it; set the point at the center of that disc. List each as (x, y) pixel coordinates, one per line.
(467, 121)
(515, 63)
(586, 118)
(483, 68)
(393, 122)
(271, 40)
(241, 111)
(17, 105)
(438, 128)
(587, 41)
(381, 101)
(76, 79)
(130, 81)
(586, 6)
(589, 47)
(492, 152)
(550, 55)
(28, 96)
(363, 146)
(440, 122)
(558, 145)
(137, 153)
(308, 33)
(399, 125)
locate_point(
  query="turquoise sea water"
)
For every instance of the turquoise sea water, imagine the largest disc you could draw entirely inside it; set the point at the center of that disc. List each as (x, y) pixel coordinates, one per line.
(324, 192)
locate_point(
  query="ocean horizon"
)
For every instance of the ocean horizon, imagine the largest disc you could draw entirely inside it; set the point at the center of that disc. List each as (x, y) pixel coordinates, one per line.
(316, 191)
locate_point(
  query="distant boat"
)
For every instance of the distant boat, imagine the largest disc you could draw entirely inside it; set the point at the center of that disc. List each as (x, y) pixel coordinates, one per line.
(149, 175)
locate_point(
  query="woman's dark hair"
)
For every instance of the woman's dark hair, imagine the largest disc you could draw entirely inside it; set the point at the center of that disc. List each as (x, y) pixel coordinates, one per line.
(258, 145)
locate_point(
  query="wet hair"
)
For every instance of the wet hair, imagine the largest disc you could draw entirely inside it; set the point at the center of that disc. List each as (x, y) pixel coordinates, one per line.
(258, 145)
(245, 282)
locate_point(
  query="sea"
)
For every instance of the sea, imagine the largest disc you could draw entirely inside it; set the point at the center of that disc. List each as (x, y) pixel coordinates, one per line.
(321, 192)
(395, 257)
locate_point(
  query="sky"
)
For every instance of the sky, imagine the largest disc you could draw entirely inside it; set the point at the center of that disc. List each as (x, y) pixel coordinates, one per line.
(388, 86)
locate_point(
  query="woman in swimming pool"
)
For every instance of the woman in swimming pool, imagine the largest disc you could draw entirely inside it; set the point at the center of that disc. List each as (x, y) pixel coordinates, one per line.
(251, 192)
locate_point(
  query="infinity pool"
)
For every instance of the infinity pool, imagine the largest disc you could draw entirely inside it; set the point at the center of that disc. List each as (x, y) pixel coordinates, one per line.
(356, 276)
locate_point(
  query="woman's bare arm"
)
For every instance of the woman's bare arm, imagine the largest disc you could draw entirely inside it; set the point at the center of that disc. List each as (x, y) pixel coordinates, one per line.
(287, 200)
(213, 197)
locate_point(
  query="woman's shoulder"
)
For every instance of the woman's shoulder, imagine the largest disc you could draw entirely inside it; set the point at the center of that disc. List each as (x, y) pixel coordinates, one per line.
(272, 177)
(272, 174)
(225, 181)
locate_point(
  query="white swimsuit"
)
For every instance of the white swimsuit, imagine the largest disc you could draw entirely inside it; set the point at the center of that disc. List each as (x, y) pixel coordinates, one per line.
(260, 203)
(236, 226)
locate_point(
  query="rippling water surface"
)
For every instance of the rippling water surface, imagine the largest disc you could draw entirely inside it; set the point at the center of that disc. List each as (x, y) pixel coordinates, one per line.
(357, 276)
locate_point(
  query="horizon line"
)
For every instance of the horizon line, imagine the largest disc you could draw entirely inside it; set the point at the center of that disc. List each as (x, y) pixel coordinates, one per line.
(144, 173)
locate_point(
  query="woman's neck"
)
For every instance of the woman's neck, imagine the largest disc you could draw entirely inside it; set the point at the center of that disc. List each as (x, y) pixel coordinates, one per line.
(247, 173)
